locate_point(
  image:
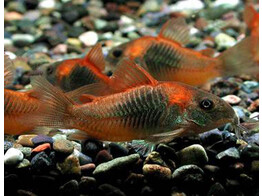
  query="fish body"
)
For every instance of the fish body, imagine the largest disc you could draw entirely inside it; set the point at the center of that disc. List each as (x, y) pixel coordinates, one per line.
(165, 58)
(148, 109)
(73, 73)
(20, 110)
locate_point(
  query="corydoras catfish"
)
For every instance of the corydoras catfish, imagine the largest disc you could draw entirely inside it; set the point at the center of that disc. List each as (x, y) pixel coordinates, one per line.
(166, 58)
(73, 73)
(143, 109)
(20, 108)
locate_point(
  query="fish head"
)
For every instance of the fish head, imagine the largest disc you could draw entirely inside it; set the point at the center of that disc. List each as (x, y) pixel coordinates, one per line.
(207, 111)
(49, 71)
(113, 57)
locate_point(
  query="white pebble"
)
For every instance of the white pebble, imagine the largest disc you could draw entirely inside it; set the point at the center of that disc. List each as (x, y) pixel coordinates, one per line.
(13, 156)
(231, 99)
(89, 38)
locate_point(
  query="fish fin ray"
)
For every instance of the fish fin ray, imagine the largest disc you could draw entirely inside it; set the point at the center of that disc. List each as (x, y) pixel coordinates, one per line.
(96, 57)
(241, 58)
(166, 137)
(176, 30)
(55, 101)
(128, 74)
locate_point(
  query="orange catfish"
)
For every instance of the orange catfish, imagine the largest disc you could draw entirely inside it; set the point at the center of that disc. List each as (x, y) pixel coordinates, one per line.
(165, 58)
(73, 73)
(20, 108)
(143, 109)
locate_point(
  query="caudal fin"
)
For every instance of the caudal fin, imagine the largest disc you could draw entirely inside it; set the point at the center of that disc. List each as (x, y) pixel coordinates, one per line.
(242, 58)
(57, 104)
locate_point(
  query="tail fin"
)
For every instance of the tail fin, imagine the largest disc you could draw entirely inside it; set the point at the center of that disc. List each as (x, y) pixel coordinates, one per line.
(242, 58)
(57, 111)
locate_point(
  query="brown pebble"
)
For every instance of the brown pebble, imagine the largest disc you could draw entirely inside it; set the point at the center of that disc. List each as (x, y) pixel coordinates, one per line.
(26, 140)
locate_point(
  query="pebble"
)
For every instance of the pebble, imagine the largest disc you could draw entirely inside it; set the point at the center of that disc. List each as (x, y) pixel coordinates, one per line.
(108, 190)
(23, 164)
(21, 40)
(69, 166)
(117, 150)
(87, 185)
(10, 16)
(188, 175)
(26, 151)
(255, 166)
(60, 49)
(46, 4)
(217, 189)
(41, 139)
(156, 172)
(211, 137)
(13, 156)
(224, 41)
(59, 137)
(91, 147)
(74, 42)
(21, 192)
(116, 165)
(89, 38)
(83, 159)
(69, 188)
(250, 152)
(155, 158)
(187, 5)
(232, 99)
(87, 169)
(26, 140)
(229, 155)
(40, 163)
(7, 145)
(77, 146)
(103, 156)
(166, 152)
(194, 154)
(64, 147)
(42, 147)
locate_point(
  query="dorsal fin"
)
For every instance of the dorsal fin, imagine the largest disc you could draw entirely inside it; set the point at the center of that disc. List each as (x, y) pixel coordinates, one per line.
(8, 69)
(82, 94)
(96, 57)
(176, 30)
(128, 75)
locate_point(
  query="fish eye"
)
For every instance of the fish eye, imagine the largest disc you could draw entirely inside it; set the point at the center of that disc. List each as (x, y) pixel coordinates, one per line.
(206, 104)
(117, 53)
(49, 70)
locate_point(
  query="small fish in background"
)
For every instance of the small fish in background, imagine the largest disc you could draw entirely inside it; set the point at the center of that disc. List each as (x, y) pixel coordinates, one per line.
(165, 58)
(144, 109)
(251, 18)
(73, 73)
(20, 108)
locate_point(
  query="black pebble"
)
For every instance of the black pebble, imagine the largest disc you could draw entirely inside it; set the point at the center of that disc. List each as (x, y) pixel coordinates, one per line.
(117, 150)
(69, 189)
